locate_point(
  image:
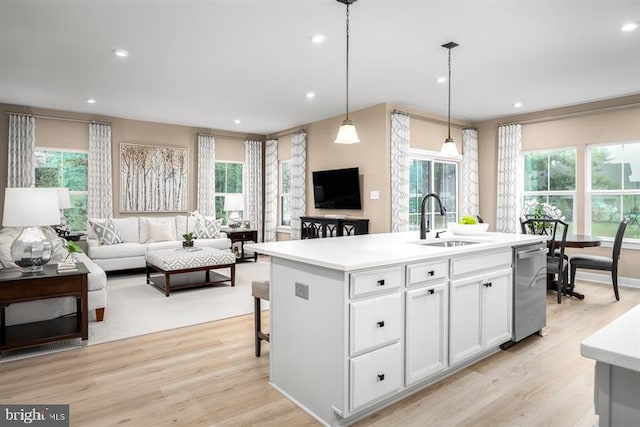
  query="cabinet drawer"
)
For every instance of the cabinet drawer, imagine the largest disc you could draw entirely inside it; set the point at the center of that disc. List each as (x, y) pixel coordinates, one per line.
(424, 272)
(375, 322)
(375, 281)
(375, 374)
(472, 263)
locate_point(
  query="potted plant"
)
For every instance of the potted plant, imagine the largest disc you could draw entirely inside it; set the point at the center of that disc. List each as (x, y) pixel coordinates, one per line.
(187, 238)
(72, 247)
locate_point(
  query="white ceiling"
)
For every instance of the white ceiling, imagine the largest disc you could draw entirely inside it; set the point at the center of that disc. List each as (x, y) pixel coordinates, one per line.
(205, 63)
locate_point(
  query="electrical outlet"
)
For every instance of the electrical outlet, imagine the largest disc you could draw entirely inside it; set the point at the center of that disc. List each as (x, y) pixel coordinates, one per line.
(302, 290)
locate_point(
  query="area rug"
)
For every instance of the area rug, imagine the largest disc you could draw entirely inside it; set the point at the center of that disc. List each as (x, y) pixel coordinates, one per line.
(135, 308)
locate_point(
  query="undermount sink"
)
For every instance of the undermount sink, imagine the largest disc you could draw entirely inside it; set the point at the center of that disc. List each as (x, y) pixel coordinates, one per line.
(445, 243)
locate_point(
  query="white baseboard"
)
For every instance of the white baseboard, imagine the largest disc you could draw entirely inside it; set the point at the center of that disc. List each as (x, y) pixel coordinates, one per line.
(606, 279)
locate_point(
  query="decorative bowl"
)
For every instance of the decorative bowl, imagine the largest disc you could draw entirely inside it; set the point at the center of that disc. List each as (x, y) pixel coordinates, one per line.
(468, 229)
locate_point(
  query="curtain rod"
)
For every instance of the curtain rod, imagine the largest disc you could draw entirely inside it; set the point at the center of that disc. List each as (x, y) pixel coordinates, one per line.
(550, 118)
(66, 119)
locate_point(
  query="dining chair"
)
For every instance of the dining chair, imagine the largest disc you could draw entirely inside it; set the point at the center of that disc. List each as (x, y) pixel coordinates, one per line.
(603, 263)
(557, 261)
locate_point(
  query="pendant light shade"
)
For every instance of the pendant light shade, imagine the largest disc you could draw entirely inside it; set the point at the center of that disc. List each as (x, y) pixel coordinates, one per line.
(448, 146)
(347, 133)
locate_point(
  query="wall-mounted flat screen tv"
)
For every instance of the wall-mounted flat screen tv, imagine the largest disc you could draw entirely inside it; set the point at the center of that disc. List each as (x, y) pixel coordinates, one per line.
(336, 189)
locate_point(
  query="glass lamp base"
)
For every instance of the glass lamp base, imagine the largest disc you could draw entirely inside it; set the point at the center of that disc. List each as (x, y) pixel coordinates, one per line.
(32, 249)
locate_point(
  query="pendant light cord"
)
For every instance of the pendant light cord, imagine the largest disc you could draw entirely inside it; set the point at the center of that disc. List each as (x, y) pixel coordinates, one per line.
(347, 76)
(449, 109)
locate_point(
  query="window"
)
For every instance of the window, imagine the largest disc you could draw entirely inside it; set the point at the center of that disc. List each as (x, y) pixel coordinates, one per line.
(613, 188)
(228, 181)
(431, 175)
(65, 168)
(550, 177)
(285, 194)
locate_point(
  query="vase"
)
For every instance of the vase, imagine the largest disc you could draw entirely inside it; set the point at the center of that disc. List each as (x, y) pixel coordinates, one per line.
(187, 243)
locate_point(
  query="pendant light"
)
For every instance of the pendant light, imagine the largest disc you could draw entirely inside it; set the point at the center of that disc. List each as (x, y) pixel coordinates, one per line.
(347, 133)
(448, 146)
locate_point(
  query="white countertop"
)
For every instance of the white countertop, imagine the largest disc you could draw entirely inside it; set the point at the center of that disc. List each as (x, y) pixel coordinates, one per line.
(374, 250)
(618, 343)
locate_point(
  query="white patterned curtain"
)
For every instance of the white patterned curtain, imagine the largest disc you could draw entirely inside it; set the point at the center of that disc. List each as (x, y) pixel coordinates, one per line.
(252, 176)
(510, 178)
(22, 141)
(298, 182)
(270, 190)
(206, 197)
(400, 127)
(470, 201)
(99, 183)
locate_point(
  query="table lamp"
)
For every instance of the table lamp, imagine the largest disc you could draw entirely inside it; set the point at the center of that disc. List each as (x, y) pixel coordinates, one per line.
(31, 208)
(234, 203)
(64, 202)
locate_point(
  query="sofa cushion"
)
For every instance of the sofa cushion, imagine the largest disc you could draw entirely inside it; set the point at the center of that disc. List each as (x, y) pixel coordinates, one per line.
(107, 232)
(145, 222)
(129, 228)
(121, 250)
(160, 232)
(184, 225)
(207, 227)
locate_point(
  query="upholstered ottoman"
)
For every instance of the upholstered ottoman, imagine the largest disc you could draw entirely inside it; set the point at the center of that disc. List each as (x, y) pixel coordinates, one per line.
(171, 262)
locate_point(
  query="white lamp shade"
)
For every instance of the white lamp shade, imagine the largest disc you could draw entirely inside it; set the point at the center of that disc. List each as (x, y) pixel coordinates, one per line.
(64, 198)
(234, 202)
(28, 207)
(347, 134)
(449, 149)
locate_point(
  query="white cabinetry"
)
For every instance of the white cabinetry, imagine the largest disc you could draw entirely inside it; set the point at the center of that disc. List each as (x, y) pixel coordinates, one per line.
(480, 304)
(375, 330)
(426, 323)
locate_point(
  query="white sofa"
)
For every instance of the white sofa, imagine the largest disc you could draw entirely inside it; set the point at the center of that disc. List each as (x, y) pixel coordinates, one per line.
(139, 235)
(34, 311)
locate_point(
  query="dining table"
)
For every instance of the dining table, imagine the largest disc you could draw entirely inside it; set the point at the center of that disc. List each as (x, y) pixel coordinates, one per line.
(577, 241)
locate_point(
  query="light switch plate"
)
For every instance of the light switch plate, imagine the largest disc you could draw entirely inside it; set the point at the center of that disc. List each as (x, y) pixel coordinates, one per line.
(374, 195)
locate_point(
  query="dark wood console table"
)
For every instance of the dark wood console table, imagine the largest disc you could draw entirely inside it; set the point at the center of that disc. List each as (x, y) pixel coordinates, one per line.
(313, 227)
(18, 287)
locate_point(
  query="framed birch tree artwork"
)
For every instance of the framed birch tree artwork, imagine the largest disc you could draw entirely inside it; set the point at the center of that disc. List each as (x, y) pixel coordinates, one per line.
(153, 178)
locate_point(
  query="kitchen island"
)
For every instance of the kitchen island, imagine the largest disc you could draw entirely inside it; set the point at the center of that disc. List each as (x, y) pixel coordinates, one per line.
(360, 322)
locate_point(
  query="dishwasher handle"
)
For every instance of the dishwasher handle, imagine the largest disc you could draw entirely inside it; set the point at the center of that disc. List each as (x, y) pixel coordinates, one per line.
(530, 254)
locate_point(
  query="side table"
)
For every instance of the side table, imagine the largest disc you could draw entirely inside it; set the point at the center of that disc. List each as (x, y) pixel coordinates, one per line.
(15, 286)
(242, 236)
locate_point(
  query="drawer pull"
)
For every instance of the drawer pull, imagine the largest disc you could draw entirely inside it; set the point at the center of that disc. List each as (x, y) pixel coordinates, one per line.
(380, 377)
(488, 285)
(381, 282)
(431, 291)
(431, 273)
(381, 324)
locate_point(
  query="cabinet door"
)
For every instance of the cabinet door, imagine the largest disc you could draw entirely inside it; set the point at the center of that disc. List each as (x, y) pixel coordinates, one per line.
(465, 335)
(426, 332)
(496, 294)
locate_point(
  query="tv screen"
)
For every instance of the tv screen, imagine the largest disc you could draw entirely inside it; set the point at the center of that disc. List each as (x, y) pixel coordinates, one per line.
(336, 189)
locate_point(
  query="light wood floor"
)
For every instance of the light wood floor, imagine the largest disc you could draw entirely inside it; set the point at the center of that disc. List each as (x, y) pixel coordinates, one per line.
(208, 375)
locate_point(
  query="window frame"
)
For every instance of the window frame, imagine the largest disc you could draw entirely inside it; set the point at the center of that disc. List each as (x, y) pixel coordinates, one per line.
(72, 193)
(225, 216)
(281, 195)
(436, 156)
(526, 195)
(629, 243)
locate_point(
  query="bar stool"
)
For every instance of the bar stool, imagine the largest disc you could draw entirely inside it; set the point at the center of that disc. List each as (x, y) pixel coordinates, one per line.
(259, 291)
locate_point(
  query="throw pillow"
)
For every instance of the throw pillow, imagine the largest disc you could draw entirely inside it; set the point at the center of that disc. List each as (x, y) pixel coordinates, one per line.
(159, 232)
(207, 227)
(107, 232)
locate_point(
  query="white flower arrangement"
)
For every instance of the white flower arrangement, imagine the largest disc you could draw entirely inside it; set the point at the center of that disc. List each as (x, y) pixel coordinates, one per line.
(542, 210)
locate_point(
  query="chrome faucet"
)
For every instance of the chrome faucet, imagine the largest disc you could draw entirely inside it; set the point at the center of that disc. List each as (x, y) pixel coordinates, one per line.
(425, 229)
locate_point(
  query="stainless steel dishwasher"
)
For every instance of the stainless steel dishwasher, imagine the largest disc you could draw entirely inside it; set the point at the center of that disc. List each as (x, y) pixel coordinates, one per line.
(529, 291)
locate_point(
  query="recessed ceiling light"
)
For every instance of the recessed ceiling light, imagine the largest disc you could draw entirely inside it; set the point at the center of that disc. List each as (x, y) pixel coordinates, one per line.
(310, 95)
(441, 79)
(237, 121)
(121, 53)
(517, 104)
(629, 26)
(318, 38)
(91, 101)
